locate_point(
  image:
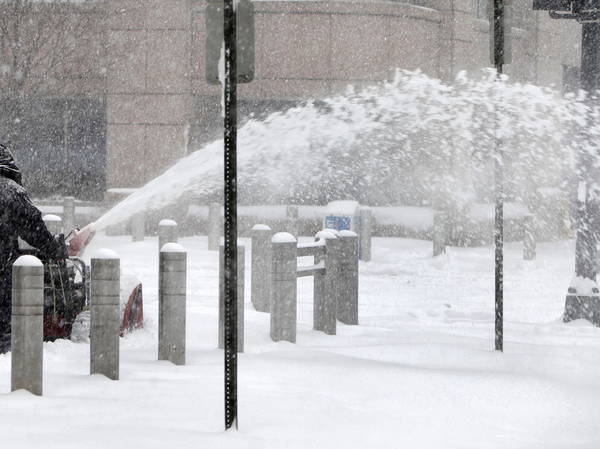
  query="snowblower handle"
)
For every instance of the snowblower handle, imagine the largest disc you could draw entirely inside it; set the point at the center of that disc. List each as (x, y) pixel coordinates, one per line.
(79, 240)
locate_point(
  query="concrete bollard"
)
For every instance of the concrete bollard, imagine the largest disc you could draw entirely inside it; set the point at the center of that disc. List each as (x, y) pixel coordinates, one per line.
(53, 223)
(215, 223)
(240, 297)
(138, 227)
(172, 303)
(325, 293)
(347, 300)
(68, 214)
(291, 224)
(529, 252)
(366, 233)
(283, 287)
(27, 334)
(439, 233)
(104, 314)
(167, 232)
(261, 267)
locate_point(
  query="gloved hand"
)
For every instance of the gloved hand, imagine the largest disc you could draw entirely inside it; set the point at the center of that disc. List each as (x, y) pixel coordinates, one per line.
(61, 251)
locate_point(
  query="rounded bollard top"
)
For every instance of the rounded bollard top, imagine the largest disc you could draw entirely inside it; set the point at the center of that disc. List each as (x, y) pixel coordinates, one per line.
(347, 233)
(326, 234)
(167, 222)
(283, 237)
(261, 227)
(172, 248)
(28, 261)
(50, 217)
(104, 253)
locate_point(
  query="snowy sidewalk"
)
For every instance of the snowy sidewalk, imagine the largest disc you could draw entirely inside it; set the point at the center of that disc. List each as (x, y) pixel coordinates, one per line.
(419, 372)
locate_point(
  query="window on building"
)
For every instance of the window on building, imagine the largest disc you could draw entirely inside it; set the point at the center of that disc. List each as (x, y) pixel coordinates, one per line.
(64, 150)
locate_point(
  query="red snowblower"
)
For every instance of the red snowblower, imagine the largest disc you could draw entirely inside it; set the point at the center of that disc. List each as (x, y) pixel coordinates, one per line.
(67, 292)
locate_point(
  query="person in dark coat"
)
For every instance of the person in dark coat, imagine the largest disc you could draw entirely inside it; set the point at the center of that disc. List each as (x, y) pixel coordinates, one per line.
(18, 218)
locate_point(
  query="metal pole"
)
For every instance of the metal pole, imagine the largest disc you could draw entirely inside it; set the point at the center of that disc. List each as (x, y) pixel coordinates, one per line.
(230, 205)
(585, 244)
(499, 185)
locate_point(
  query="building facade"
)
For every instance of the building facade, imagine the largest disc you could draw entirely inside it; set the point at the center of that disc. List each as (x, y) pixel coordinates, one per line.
(158, 107)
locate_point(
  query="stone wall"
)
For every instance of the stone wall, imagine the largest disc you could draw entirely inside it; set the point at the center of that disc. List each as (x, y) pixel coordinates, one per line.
(149, 90)
(159, 107)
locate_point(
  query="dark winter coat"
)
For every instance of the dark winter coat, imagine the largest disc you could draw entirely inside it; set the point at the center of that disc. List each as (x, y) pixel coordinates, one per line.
(18, 218)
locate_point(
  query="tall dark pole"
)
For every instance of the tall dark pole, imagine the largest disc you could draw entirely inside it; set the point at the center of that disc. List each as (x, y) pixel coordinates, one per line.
(498, 49)
(230, 206)
(585, 244)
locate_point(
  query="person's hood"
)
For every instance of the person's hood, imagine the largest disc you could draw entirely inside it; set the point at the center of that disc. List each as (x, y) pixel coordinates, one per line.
(8, 167)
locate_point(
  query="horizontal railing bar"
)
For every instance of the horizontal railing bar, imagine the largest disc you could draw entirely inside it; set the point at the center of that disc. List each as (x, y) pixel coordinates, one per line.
(311, 249)
(311, 270)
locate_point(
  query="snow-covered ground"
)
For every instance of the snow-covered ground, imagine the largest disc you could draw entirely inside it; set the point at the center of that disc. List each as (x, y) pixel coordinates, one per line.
(418, 372)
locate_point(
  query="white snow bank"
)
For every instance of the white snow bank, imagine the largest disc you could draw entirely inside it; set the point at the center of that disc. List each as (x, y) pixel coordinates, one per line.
(412, 217)
(283, 237)
(326, 234)
(172, 248)
(584, 286)
(104, 253)
(344, 208)
(347, 233)
(261, 227)
(167, 222)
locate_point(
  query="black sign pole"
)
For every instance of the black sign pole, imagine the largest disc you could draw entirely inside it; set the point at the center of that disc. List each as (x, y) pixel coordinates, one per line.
(498, 49)
(230, 206)
(585, 243)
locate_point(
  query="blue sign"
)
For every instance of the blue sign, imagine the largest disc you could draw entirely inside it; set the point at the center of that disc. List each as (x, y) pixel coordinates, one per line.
(337, 223)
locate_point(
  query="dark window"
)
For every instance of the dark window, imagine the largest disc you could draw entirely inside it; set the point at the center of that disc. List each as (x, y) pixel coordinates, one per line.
(61, 146)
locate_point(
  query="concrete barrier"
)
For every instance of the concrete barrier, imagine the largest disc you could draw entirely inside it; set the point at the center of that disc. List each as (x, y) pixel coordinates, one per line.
(27, 324)
(68, 214)
(261, 267)
(172, 303)
(104, 314)
(325, 285)
(53, 223)
(138, 227)
(167, 232)
(215, 226)
(439, 233)
(283, 287)
(366, 233)
(347, 278)
(335, 271)
(292, 216)
(529, 232)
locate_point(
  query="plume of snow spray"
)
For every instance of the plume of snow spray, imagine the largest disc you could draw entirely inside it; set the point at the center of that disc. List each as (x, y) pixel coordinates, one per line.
(402, 141)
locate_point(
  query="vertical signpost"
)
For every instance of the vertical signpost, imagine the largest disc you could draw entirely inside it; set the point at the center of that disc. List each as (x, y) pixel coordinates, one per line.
(229, 60)
(500, 52)
(230, 203)
(585, 244)
(582, 298)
